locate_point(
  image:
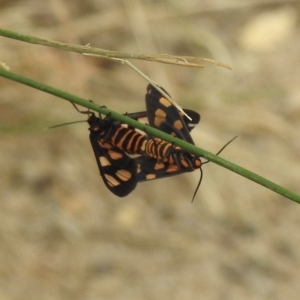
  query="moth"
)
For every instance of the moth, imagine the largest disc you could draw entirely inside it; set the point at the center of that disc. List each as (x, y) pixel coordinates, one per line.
(114, 144)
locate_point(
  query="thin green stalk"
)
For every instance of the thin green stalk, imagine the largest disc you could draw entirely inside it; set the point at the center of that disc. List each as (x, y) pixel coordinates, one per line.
(154, 132)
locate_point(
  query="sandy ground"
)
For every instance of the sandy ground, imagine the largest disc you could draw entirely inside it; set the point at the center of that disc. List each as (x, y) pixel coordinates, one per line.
(63, 235)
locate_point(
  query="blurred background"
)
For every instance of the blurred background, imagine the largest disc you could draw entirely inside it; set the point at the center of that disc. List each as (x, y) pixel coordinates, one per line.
(63, 235)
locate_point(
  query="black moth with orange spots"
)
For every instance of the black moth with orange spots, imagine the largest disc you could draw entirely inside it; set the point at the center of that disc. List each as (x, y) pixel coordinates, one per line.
(165, 159)
(117, 169)
(113, 142)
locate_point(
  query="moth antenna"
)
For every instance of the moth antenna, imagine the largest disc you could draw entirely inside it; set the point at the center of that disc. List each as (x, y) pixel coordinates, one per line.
(201, 172)
(74, 122)
(63, 124)
(221, 149)
(198, 185)
(226, 145)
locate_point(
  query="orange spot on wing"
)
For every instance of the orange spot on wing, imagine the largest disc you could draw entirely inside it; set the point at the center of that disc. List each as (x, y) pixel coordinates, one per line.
(150, 176)
(178, 124)
(111, 181)
(104, 145)
(160, 116)
(159, 166)
(103, 161)
(165, 102)
(115, 155)
(124, 175)
(172, 168)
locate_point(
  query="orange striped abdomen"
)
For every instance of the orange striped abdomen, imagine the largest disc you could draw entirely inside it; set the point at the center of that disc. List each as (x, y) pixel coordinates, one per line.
(166, 152)
(158, 149)
(127, 139)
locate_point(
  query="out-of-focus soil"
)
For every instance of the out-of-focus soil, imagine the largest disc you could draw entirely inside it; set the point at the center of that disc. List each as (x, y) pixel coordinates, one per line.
(63, 235)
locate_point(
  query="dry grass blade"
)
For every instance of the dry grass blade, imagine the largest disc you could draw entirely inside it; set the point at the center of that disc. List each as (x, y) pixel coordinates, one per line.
(4, 66)
(161, 58)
